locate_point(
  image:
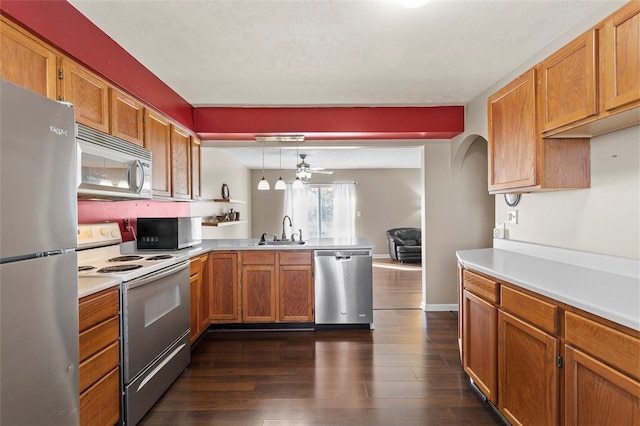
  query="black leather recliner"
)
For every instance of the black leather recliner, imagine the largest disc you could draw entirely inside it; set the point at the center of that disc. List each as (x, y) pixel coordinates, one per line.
(405, 244)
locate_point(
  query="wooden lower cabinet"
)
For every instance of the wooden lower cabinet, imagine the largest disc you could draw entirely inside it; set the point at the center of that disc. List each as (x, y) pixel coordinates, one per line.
(480, 333)
(277, 286)
(596, 394)
(556, 364)
(258, 293)
(224, 287)
(99, 354)
(200, 288)
(528, 385)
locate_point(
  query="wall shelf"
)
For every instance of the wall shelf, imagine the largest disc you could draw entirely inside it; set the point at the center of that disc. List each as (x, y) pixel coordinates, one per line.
(229, 223)
(227, 200)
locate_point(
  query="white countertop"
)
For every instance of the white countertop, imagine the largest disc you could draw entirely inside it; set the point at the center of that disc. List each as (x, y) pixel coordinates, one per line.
(609, 295)
(90, 285)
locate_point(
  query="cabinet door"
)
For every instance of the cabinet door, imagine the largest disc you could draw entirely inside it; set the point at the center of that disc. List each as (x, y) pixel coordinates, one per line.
(596, 394)
(258, 293)
(204, 316)
(224, 287)
(296, 293)
(480, 345)
(194, 284)
(621, 57)
(100, 404)
(126, 117)
(157, 136)
(180, 167)
(88, 93)
(21, 52)
(569, 82)
(513, 134)
(528, 391)
(196, 188)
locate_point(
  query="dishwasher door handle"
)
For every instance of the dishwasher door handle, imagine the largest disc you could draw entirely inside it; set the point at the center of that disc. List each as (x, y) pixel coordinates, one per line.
(344, 258)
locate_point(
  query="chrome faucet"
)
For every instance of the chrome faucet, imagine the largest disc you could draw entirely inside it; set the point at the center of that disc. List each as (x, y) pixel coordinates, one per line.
(284, 235)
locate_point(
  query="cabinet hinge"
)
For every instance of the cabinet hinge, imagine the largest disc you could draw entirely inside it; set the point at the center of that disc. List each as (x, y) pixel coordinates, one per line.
(559, 361)
(144, 118)
(60, 73)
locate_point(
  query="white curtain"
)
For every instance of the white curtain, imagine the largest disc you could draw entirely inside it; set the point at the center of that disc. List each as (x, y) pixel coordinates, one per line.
(298, 202)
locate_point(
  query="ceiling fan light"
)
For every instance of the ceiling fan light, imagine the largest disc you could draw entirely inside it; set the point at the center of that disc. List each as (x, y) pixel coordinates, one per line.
(297, 184)
(280, 185)
(263, 185)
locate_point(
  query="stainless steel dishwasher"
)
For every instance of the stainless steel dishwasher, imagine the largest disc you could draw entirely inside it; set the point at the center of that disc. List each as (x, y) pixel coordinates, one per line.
(343, 287)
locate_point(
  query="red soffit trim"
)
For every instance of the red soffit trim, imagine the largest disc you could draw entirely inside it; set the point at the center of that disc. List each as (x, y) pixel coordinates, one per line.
(236, 123)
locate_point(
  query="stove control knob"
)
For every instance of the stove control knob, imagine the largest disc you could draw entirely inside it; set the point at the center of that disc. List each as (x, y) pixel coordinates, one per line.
(104, 231)
(114, 234)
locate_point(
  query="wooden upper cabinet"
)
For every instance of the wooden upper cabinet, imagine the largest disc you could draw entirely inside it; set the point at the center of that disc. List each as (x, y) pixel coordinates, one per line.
(569, 83)
(513, 134)
(126, 117)
(20, 52)
(621, 57)
(157, 139)
(88, 93)
(180, 163)
(196, 158)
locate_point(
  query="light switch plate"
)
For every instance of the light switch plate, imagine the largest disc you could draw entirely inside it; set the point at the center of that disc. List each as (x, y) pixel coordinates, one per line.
(512, 216)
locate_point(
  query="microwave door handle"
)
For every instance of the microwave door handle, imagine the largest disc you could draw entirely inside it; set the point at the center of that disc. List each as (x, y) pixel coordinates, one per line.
(139, 176)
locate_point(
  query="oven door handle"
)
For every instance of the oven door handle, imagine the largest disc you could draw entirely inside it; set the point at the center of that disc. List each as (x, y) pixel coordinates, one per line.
(157, 275)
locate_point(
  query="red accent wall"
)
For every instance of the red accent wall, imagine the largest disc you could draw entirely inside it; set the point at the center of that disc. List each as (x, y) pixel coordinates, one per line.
(438, 122)
(90, 211)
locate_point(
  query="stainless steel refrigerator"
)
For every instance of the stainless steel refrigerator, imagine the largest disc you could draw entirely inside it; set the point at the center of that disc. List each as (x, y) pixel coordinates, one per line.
(38, 263)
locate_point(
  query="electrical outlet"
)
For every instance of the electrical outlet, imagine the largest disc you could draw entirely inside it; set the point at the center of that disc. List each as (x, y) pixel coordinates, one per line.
(512, 216)
(498, 231)
(127, 223)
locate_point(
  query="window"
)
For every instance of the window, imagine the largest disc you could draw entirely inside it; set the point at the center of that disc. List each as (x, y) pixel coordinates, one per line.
(322, 211)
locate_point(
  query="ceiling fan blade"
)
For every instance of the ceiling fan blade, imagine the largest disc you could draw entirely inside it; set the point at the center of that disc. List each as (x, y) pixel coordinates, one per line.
(323, 172)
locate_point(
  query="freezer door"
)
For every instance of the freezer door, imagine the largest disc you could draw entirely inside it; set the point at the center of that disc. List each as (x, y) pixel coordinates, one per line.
(39, 341)
(37, 174)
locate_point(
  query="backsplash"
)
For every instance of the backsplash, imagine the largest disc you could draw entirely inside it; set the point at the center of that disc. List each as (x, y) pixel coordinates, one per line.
(91, 211)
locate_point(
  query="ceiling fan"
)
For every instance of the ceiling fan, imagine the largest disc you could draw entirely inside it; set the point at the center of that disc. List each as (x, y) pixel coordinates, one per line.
(304, 169)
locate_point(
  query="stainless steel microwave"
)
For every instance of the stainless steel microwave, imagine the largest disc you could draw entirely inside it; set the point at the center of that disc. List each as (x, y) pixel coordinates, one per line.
(110, 167)
(168, 233)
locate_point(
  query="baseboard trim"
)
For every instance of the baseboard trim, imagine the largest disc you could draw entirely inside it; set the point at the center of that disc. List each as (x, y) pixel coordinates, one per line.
(439, 307)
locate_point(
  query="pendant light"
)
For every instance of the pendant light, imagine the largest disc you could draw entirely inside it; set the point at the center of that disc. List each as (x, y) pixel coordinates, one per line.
(280, 185)
(263, 185)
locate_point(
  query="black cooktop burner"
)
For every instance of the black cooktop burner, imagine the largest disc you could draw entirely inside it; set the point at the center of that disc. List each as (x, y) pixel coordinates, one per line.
(160, 257)
(119, 268)
(85, 268)
(124, 258)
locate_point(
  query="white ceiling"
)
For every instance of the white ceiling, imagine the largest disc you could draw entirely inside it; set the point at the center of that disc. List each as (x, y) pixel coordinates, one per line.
(332, 52)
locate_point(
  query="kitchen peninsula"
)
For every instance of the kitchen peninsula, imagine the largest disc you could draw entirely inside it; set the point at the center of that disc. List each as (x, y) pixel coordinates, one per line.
(242, 283)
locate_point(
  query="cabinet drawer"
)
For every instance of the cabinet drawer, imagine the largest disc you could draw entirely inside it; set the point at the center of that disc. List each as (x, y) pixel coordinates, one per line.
(612, 346)
(258, 258)
(539, 313)
(100, 404)
(98, 365)
(295, 258)
(481, 286)
(98, 307)
(96, 338)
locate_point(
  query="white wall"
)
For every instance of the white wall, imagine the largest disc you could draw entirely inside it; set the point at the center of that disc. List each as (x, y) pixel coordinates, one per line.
(219, 168)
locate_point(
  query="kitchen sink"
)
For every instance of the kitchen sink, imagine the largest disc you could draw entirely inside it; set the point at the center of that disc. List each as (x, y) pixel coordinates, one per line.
(280, 243)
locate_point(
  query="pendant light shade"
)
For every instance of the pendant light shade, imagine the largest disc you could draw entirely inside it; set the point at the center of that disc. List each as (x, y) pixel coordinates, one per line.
(280, 185)
(263, 185)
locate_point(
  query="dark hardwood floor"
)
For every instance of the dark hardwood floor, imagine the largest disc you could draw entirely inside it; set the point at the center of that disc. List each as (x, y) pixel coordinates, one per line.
(404, 372)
